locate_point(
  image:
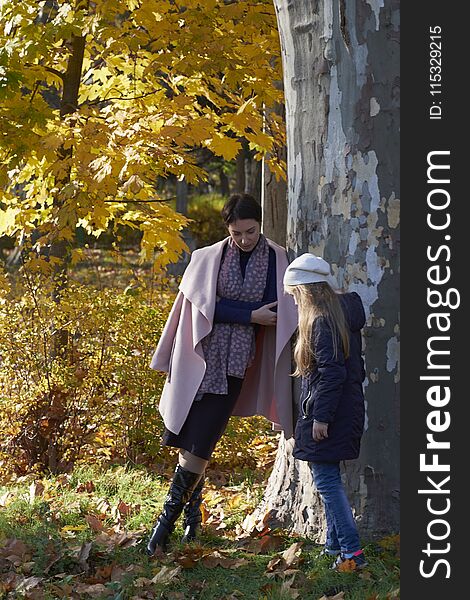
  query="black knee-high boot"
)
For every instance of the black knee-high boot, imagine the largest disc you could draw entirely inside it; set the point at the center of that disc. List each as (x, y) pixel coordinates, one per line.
(180, 492)
(192, 514)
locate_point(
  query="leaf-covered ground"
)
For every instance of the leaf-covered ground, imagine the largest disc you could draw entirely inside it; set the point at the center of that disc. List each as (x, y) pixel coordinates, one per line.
(83, 535)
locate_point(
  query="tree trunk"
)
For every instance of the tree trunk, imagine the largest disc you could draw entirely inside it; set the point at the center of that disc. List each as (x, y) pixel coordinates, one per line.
(224, 182)
(253, 176)
(341, 78)
(274, 197)
(59, 247)
(182, 196)
(178, 268)
(256, 178)
(68, 105)
(240, 176)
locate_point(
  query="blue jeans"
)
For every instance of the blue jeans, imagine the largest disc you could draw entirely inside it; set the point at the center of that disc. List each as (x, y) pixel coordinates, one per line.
(341, 529)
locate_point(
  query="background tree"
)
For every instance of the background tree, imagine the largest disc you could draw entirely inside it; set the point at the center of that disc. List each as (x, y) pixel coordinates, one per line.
(101, 99)
(341, 78)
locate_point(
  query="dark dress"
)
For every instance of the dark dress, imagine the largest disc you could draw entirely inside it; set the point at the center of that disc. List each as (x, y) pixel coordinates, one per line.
(208, 417)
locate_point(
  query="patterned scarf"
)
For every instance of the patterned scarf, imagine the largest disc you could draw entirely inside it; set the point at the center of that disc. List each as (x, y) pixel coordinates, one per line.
(230, 347)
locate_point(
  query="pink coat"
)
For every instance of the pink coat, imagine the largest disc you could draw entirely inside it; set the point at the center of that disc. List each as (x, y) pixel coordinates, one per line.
(267, 387)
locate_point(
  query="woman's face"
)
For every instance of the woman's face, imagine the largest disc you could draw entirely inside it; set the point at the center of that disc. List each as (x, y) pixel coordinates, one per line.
(245, 233)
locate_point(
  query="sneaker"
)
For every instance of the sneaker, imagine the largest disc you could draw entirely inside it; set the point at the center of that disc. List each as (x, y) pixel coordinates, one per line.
(351, 563)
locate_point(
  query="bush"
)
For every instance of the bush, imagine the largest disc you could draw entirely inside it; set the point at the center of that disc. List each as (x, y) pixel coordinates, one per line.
(207, 226)
(75, 382)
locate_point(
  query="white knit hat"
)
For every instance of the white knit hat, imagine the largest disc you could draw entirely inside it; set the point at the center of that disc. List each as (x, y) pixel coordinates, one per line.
(307, 268)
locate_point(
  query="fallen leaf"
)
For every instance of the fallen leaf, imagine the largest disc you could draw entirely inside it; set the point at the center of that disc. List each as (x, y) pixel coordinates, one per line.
(102, 505)
(288, 590)
(28, 583)
(205, 513)
(292, 556)
(8, 582)
(95, 589)
(5, 565)
(166, 574)
(216, 559)
(117, 573)
(265, 544)
(94, 523)
(124, 509)
(63, 479)
(88, 487)
(27, 567)
(347, 566)
(274, 564)
(236, 500)
(6, 499)
(253, 523)
(283, 574)
(121, 540)
(102, 574)
(339, 596)
(14, 547)
(36, 489)
(142, 582)
(187, 562)
(191, 556)
(81, 554)
(53, 559)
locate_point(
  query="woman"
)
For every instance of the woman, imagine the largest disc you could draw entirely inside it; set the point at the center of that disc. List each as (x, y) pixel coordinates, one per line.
(329, 361)
(225, 351)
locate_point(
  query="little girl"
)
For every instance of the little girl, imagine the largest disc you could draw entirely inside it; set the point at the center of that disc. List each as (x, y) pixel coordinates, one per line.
(331, 420)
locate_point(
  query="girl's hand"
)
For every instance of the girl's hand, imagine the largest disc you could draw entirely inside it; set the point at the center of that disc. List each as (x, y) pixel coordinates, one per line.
(264, 316)
(319, 431)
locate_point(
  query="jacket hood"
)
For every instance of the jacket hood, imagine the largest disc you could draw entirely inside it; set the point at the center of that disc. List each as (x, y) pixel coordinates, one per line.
(354, 310)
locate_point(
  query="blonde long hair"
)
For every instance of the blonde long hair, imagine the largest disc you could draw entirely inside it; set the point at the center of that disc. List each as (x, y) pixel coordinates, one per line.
(316, 300)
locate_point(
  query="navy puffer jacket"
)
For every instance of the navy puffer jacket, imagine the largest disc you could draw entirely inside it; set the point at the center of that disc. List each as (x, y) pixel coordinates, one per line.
(333, 393)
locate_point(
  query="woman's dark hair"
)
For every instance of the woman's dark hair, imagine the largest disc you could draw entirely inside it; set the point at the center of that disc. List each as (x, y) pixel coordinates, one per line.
(241, 206)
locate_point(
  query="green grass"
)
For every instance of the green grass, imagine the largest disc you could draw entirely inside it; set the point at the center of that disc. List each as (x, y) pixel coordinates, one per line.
(54, 528)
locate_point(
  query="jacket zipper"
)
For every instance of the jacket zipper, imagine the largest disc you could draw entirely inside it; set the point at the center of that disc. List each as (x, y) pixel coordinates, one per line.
(305, 405)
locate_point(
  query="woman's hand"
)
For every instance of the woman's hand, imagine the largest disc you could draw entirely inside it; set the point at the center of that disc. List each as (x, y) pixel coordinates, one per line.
(319, 431)
(264, 316)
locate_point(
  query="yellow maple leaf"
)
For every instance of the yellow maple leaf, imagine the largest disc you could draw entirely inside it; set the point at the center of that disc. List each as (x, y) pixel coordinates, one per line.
(8, 220)
(224, 146)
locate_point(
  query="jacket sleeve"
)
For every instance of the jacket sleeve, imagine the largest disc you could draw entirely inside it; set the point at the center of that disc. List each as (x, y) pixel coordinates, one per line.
(331, 373)
(234, 311)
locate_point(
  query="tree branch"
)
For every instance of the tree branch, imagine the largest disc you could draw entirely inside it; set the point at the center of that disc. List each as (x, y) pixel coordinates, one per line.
(142, 201)
(49, 69)
(95, 102)
(55, 72)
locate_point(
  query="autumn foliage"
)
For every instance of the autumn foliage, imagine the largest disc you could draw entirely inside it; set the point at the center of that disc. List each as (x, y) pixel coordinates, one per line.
(99, 100)
(97, 397)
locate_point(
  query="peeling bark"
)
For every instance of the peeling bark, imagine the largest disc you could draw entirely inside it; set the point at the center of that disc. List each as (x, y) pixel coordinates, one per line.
(341, 81)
